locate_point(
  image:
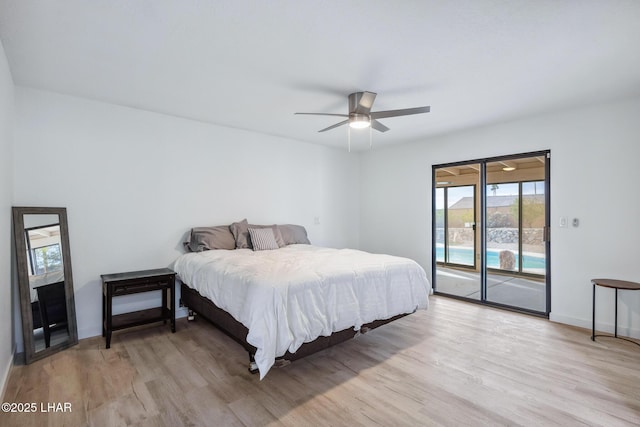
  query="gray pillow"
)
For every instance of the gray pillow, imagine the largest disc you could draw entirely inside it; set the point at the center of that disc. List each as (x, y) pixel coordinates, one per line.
(209, 238)
(262, 239)
(240, 231)
(293, 234)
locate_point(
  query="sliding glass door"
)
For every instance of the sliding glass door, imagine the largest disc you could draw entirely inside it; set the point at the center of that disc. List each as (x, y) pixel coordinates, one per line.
(490, 231)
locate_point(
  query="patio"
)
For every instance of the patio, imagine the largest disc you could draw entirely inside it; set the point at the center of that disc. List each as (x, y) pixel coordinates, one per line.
(505, 289)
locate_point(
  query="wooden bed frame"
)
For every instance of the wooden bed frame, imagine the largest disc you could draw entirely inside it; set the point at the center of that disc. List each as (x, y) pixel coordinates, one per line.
(236, 330)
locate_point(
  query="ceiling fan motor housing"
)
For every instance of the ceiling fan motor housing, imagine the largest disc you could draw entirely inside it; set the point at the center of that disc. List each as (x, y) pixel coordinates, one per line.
(354, 100)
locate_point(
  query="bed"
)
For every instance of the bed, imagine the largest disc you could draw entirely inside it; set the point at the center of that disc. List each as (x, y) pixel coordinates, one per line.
(294, 298)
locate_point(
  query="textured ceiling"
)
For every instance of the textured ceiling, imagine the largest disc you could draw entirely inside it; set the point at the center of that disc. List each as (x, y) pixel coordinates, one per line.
(252, 64)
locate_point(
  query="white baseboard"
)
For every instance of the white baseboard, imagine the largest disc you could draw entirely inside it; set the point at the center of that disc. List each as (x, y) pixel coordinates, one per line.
(5, 373)
(602, 327)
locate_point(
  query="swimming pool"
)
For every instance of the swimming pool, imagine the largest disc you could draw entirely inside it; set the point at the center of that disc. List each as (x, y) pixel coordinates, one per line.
(464, 256)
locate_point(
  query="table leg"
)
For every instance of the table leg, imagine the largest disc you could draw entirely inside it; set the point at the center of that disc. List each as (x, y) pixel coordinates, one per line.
(593, 315)
(615, 330)
(165, 306)
(103, 313)
(109, 316)
(172, 307)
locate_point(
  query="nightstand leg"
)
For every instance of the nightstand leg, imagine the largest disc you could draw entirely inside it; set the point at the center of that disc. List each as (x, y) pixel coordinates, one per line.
(165, 306)
(615, 330)
(109, 320)
(593, 315)
(172, 307)
(104, 301)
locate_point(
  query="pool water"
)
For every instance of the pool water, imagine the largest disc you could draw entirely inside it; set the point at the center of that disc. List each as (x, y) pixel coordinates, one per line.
(464, 256)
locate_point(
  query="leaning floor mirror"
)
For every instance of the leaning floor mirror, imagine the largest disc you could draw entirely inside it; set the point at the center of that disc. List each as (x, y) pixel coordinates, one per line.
(45, 280)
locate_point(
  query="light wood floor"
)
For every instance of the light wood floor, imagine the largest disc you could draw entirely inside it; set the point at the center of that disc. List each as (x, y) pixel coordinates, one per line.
(455, 364)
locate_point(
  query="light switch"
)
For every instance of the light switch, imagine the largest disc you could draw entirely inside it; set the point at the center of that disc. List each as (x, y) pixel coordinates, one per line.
(563, 221)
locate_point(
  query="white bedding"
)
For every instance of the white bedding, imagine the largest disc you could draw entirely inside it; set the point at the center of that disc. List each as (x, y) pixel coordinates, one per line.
(292, 295)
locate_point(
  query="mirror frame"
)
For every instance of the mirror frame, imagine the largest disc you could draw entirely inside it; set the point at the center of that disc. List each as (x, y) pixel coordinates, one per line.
(23, 281)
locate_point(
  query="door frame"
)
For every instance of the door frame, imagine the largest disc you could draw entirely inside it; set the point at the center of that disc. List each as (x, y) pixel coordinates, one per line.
(481, 227)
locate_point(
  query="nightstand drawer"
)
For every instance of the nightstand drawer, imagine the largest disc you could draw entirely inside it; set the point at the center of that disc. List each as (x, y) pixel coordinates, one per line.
(139, 286)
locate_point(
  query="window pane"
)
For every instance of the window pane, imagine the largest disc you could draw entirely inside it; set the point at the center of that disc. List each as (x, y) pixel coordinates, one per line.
(439, 224)
(502, 226)
(461, 205)
(533, 215)
(47, 259)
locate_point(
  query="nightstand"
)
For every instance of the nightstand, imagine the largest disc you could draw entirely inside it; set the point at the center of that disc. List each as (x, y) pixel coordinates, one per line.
(134, 282)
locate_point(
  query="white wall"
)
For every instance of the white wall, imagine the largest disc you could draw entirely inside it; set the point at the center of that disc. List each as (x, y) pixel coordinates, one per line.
(6, 199)
(134, 182)
(594, 177)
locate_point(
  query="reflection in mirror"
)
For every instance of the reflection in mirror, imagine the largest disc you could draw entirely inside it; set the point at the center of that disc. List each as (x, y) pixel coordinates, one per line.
(46, 280)
(44, 275)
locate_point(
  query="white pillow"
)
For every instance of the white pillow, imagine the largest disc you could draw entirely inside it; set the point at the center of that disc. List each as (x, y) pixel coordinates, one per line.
(262, 239)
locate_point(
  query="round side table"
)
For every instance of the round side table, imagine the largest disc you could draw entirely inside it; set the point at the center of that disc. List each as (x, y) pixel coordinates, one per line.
(615, 284)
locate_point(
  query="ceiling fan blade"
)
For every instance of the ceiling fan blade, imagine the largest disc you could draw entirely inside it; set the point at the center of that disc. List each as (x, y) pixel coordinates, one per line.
(324, 114)
(365, 103)
(334, 126)
(378, 126)
(403, 112)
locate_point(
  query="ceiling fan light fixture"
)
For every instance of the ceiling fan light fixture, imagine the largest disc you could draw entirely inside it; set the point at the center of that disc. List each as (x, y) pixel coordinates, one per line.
(360, 116)
(359, 121)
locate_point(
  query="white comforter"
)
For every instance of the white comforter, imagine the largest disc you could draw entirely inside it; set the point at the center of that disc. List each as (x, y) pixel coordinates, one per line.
(292, 295)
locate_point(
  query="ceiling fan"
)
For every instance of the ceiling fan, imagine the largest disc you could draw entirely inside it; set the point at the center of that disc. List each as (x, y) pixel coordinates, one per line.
(360, 115)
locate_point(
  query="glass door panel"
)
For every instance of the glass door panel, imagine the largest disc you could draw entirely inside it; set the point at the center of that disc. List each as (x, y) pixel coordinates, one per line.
(455, 237)
(515, 224)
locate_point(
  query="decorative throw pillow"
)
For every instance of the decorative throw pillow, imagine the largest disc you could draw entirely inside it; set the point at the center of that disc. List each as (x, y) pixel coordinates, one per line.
(240, 231)
(262, 239)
